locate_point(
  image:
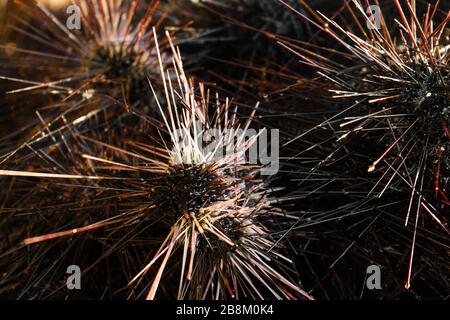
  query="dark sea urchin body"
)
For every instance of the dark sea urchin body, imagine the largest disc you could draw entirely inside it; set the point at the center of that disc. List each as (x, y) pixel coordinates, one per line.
(122, 67)
(386, 156)
(420, 109)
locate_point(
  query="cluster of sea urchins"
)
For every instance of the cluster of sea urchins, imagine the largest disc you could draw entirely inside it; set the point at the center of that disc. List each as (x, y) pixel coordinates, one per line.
(104, 164)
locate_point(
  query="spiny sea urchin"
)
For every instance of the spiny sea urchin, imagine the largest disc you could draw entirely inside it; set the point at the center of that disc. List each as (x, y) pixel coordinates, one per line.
(393, 86)
(214, 209)
(77, 72)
